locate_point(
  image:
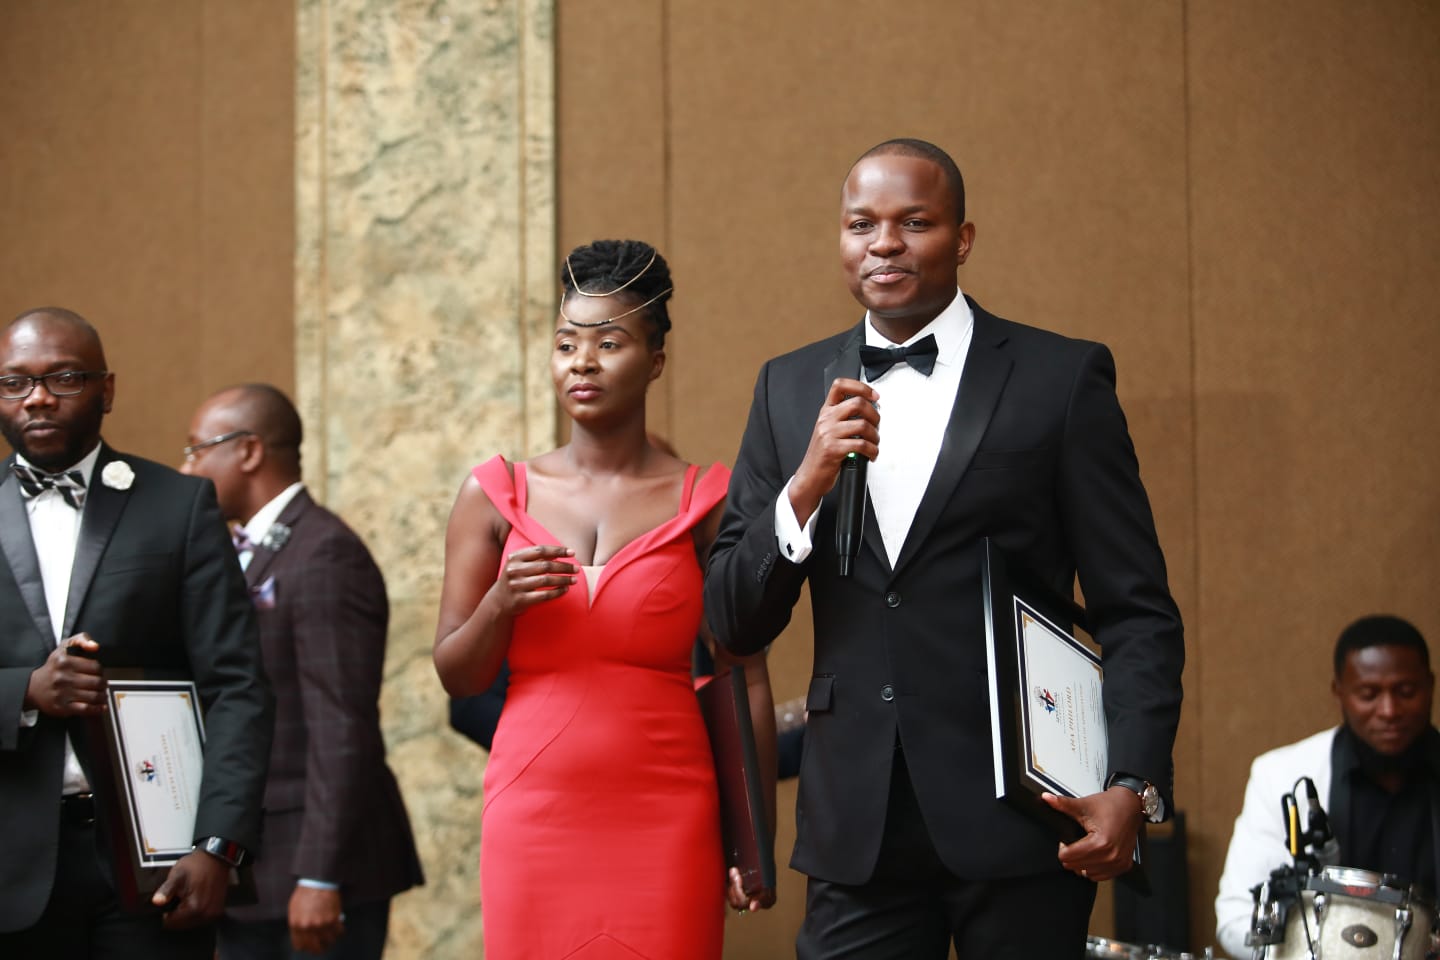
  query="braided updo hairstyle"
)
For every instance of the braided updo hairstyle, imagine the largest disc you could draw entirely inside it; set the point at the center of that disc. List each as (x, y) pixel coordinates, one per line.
(606, 265)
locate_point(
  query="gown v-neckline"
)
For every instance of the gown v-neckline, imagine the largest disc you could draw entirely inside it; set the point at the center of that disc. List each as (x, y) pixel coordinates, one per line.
(619, 557)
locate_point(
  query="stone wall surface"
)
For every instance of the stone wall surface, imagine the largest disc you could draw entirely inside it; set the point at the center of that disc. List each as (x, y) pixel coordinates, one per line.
(424, 294)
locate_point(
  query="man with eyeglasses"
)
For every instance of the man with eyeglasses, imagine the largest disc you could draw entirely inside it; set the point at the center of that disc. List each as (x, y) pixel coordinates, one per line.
(109, 561)
(335, 842)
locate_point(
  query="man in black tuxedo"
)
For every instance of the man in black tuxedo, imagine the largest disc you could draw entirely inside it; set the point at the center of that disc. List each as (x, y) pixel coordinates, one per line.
(336, 843)
(116, 562)
(980, 428)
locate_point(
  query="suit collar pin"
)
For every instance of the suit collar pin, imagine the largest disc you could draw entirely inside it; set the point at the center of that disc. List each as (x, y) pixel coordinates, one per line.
(275, 537)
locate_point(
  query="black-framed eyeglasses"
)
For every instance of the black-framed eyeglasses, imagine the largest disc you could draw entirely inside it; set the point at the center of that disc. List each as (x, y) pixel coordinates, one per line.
(195, 448)
(65, 383)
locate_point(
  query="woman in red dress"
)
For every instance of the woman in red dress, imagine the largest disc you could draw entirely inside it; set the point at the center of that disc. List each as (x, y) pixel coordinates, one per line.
(582, 568)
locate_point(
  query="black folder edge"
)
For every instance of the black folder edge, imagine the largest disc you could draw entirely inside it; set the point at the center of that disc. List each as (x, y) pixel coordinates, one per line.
(1004, 582)
(751, 791)
(754, 782)
(1014, 781)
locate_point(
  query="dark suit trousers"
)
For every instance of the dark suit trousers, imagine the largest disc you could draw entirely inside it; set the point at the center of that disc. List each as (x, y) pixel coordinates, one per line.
(913, 908)
(84, 921)
(366, 925)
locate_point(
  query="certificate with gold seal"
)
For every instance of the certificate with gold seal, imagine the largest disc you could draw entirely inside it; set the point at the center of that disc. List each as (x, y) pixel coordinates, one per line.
(152, 765)
(1064, 714)
(1047, 709)
(157, 741)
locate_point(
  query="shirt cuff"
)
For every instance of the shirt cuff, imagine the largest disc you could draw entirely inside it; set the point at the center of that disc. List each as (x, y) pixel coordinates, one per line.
(316, 884)
(793, 538)
(28, 718)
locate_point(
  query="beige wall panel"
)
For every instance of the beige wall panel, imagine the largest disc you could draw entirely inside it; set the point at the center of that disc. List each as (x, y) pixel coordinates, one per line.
(610, 76)
(1315, 130)
(247, 195)
(145, 181)
(610, 140)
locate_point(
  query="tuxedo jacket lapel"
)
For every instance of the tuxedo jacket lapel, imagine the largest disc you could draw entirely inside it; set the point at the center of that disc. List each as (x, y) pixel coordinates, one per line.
(847, 364)
(20, 553)
(103, 506)
(263, 556)
(986, 370)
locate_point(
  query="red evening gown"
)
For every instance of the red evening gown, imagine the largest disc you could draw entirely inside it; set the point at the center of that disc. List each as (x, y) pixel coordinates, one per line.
(600, 835)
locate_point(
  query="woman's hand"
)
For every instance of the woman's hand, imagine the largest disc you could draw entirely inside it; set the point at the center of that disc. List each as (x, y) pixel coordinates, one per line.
(532, 576)
(741, 902)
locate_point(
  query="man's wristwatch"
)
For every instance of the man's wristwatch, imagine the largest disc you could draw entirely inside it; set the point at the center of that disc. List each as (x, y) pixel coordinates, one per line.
(1152, 805)
(226, 850)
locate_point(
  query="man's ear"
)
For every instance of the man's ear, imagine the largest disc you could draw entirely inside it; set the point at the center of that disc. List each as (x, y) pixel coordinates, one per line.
(253, 456)
(966, 244)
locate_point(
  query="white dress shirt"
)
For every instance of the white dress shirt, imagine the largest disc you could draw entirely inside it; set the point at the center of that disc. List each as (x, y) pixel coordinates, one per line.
(260, 524)
(914, 411)
(55, 529)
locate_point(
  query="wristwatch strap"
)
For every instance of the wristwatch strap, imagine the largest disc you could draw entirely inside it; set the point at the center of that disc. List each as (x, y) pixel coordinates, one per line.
(227, 850)
(1152, 805)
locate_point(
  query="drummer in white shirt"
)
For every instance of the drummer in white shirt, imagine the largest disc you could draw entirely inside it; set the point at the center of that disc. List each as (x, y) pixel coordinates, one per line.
(1377, 775)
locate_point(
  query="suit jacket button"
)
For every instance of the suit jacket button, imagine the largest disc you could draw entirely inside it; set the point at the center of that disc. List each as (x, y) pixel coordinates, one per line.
(887, 693)
(892, 599)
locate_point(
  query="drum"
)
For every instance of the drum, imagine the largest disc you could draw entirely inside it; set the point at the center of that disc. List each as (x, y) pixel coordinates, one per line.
(1098, 948)
(1342, 913)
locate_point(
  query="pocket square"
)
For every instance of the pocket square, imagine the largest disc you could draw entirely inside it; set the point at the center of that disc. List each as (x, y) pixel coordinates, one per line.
(263, 594)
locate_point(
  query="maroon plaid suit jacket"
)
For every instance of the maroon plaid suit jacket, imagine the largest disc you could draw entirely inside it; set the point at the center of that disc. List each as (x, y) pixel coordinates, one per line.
(332, 807)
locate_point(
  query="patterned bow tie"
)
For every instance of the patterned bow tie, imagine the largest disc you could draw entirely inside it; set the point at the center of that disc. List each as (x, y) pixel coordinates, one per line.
(70, 485)
(920, 355)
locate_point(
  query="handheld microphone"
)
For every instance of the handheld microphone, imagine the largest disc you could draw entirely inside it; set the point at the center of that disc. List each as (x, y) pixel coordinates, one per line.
(1317, 827)
(850, 515)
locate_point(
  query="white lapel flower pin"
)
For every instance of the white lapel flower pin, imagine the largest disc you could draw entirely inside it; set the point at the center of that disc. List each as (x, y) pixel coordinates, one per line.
(117, 475)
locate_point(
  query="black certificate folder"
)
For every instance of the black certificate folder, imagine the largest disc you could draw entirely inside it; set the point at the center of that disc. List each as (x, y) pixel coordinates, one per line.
(1047, 715)
(749, 847)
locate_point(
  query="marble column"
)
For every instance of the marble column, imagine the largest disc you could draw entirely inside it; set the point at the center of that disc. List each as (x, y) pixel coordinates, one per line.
(425, 292)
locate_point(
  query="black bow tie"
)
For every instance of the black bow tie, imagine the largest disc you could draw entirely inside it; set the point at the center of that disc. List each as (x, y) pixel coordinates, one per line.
(920, 355)
(70, 485)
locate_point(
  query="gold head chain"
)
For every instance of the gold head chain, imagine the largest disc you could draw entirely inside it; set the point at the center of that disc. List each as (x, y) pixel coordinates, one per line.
(600, 323)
